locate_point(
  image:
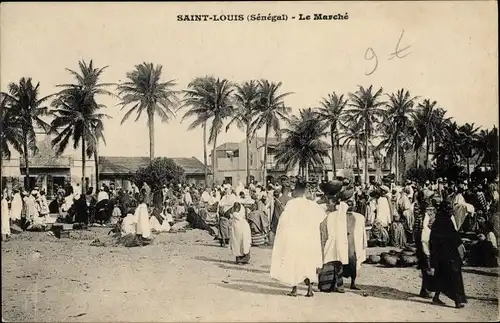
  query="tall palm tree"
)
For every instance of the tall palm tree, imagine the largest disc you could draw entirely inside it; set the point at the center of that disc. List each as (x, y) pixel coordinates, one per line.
(487, 147)
(303, 144)
(330, 112)
(468, 136)
(209, 99)
(246, 97)
(76, 119)
(429, 124)
(144, 92)
(11, 134)
(366, 110)
(87, 80)
(353, 132)
(271, 110)
(398, 117)
(29, 110)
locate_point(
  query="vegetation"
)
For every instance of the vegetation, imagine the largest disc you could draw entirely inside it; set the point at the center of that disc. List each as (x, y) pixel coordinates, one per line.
(161, 171)
(362, 119)
(145, 93)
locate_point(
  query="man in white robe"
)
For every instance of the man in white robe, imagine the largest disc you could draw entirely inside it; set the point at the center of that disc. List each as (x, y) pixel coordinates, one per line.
(142, 216)
(102, 195)
(296, 252)
(5, 217)
(16, 206)
(384, 209)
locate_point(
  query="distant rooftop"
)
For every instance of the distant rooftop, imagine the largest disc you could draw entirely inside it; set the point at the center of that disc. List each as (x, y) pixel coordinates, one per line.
(112, 165)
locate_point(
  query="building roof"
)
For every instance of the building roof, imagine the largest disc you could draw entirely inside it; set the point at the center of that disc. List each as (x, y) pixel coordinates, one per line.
(46, 157)
(228, 146)
(271, 141)
(112, 165)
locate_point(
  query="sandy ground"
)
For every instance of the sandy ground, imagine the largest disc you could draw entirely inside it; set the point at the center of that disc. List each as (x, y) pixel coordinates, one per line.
(187, 277)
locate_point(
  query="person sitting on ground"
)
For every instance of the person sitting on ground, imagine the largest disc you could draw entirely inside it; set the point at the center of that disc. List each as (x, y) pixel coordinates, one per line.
(169, 216)
(196, 222)
(129, 222)
(379, 237)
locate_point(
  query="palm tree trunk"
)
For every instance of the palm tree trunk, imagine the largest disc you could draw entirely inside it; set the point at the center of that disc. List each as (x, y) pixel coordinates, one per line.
(357, 160)
(264, 179)
(397, 158)
(332, 138)
(27, 182)
(427, 153)
(83, 164)
(205, 159)
(417, 158)
(151, 123)
(214, 162)
(468, 167)
(96, 162)
(366, 154)
(403, 164)
(248, 154)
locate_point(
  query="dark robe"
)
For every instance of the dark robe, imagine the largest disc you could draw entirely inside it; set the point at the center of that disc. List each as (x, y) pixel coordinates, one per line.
(81, 210)
(279, 206)
(445, 257)
(196, 222)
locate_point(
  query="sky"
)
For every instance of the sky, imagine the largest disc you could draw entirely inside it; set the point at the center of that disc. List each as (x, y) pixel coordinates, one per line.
(451, 55)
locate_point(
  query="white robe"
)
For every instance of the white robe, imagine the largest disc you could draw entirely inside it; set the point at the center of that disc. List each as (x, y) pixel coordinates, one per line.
(337, 245)
(16, 207)
(240, 237)
(129, 224)
(155, 224)
(383, 211)
(142, 215)
(297, 246)
(5, 217)
(103, 195)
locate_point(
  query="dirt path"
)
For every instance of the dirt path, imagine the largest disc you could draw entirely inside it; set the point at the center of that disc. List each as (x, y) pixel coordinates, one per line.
(187, 277)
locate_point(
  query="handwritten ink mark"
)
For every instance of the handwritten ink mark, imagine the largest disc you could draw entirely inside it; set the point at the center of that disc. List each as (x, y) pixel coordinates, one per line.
(397, 51)
(370, 58)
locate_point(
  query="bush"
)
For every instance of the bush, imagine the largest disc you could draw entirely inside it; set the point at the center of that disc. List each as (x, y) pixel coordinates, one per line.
(160, 172)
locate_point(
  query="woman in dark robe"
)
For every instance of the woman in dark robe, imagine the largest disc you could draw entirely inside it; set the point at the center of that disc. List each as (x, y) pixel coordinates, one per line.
(81, 210)
(445, 258)
(196, 222)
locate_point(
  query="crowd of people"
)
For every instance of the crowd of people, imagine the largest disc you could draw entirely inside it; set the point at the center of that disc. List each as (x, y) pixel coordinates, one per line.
(319, 231)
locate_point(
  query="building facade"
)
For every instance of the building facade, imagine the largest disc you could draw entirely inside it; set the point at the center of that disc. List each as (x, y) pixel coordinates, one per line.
(47, 170)
(231, 159)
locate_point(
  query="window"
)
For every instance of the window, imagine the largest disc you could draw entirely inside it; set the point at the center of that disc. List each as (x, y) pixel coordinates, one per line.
(229, 180)
(236, 153)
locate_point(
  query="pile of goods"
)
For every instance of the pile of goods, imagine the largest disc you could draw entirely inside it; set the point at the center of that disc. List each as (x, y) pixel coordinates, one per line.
(394, 258)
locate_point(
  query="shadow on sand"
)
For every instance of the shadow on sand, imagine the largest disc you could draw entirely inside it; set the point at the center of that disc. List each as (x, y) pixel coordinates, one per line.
(480, 272)
(216, 261)
(255, 289)
(243, 268)
(396, 294)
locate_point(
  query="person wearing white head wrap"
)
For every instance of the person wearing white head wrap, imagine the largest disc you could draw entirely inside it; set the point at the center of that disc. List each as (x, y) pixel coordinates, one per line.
(240, 238)
(16, 206)
(384, 207)
(5, 217)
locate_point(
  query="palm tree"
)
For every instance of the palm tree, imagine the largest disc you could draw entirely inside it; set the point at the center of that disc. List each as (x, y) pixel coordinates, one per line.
(398, 124)
(144, 92)
(468, 136)
(271, 110)
(29, 111)
(209, 99)
(87, 80)
(366, 110)
(11, 134)
(429, 124)
(330, 113)
(353, 132)
(303, 144)
(76, 116)
(246, 97)
(487, 147)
